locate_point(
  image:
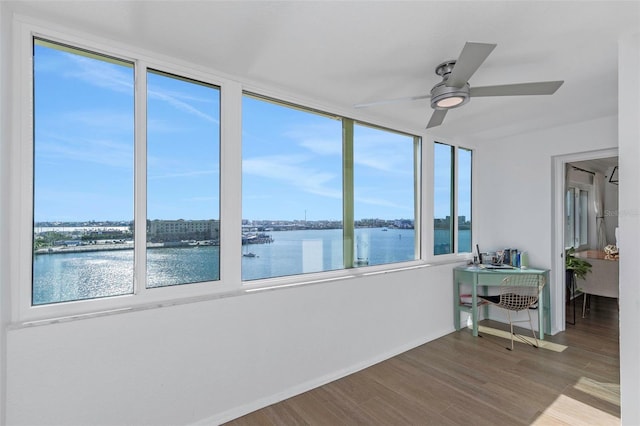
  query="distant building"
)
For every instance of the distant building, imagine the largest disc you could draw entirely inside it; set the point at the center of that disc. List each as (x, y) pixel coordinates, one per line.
(176, 230)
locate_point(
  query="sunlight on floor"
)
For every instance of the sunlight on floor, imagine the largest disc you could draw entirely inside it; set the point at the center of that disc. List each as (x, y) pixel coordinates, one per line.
(505, 334)
(609, 392)
(568, 411)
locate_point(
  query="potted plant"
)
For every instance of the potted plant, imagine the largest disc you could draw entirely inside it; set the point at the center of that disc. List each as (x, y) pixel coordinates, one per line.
(575, 267)
(578, 267)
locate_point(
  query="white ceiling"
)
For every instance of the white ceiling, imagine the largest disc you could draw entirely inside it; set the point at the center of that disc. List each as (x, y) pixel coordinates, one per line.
(341, 53)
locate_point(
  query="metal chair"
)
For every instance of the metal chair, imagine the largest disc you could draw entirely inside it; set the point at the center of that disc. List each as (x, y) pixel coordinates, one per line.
(518, 293)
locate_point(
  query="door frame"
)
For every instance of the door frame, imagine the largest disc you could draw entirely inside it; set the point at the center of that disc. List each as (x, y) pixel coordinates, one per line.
(557, 238)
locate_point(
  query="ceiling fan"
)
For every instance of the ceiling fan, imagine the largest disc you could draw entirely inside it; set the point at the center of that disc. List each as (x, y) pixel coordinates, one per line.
(454, 90)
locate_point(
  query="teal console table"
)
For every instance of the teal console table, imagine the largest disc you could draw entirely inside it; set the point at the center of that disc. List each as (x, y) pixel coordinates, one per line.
(479, 277)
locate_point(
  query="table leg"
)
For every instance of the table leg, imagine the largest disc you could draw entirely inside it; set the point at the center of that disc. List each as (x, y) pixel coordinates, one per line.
(456, 302)
(541, 315)
(474, 305)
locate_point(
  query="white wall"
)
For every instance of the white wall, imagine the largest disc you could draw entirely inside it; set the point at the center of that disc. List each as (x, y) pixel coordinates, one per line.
(517, 213)
(5, 25)
(221, 358)
(521, 213)
(629, 223)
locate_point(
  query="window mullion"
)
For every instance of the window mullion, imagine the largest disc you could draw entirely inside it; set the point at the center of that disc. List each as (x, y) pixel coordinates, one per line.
(140, 180)
(348, 224)
(231, 185)
(453, 223)
(417, 191)
(455, 200)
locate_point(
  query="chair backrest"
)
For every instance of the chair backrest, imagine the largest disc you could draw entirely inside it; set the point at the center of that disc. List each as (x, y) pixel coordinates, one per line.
(518, 292)
(602, 280)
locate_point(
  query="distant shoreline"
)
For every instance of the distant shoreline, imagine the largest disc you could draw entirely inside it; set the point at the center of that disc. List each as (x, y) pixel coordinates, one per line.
(114, 247)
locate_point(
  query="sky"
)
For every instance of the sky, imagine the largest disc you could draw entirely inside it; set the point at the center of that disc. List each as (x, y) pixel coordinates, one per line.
(292, 159)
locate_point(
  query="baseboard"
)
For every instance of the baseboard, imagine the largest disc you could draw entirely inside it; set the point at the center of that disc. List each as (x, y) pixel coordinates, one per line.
(252, 406)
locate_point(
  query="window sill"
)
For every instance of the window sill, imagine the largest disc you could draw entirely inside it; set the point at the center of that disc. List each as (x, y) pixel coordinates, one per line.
(247, 289)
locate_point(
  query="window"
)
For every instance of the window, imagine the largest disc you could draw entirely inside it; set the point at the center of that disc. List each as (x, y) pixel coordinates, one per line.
(577, 217)
(321, 193)
(125, 166)
(443, 198)
(84, 174)
(384, 196)
(464, 201)
(183, 188)
(291, 190)
(452, 199)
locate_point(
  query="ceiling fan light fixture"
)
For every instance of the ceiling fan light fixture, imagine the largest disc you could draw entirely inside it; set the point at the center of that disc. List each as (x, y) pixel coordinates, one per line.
(451, 102)
(444, 97)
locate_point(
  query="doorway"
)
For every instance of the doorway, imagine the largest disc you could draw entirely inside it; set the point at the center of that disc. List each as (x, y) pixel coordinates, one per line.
(578, 180)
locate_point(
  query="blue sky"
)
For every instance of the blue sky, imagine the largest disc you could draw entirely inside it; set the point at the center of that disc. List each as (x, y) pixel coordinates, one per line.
(442, 181)
(292, 160)
(83, 138)
(292, 167)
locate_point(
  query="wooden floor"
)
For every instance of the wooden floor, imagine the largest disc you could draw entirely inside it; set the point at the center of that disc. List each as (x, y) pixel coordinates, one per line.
(462, 380)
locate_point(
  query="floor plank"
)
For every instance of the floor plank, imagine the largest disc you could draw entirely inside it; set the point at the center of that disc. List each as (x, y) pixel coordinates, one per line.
(439, 383)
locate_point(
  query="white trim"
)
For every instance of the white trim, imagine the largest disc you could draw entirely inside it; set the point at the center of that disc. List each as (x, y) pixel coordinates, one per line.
(557, 274)
(22, 214)
(231, 185)
(426, 202)
(6, 130)
(418, 171)
(140, 180)
(428, 211)
(21, 199)
(22, 172)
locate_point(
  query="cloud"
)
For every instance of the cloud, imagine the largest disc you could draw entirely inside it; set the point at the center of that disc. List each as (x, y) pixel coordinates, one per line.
(99, 151)
(101, 73)
(120, 79)
(102, 119)
(322, 146)
(157, 93)
(156, 126)
(323, 138)
(293, 170)
(375, 149)
(388, 156)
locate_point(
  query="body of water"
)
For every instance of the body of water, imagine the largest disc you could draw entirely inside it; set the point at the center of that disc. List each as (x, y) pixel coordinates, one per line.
(76, 276)
(442, 243)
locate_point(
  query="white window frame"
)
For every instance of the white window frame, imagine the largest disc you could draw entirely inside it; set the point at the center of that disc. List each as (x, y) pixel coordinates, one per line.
(580, 216)
(231, 91)
(456, 256)
(25, 31)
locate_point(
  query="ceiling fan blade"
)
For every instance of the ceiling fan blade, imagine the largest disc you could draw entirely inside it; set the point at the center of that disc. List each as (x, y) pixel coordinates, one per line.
(470, 59)
(519, 89)
(437, 118)
(390, 101)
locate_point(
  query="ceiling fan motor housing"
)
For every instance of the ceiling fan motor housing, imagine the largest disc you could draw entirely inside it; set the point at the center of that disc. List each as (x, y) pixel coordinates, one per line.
(440, 93)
